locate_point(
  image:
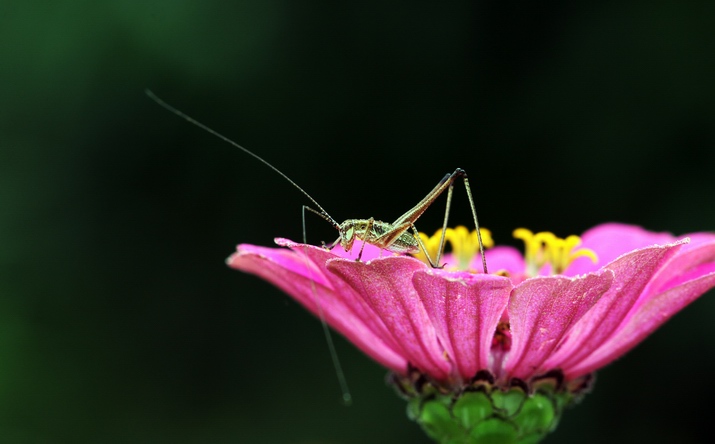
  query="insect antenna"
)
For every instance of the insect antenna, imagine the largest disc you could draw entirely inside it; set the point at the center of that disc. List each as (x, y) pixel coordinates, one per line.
(322, 213)
(347, 397)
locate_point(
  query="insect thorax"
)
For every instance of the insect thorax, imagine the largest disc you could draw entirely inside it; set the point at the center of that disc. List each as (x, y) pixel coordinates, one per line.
(378, 233)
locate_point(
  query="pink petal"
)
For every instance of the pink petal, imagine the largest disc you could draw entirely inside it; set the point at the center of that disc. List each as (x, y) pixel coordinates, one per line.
(386, 285)
(465, 310)
(697, 239)
(281, 267)
(320, 257)
(542, 310)
(612, 240)
(284, 258)
(649, 317)
(369, 252)
(685, 265)
(632, 272)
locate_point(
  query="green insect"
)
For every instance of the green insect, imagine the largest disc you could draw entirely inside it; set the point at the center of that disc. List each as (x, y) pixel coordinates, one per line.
(400, 236)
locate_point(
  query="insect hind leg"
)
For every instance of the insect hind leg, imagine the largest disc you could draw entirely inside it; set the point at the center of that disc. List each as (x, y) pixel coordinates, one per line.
(476, 222)
(451, 178)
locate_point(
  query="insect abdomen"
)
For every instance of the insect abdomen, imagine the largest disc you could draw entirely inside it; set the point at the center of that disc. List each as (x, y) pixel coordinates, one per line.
(404, 243)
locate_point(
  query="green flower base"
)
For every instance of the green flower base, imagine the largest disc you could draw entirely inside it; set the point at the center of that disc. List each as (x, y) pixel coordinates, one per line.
(487, 414)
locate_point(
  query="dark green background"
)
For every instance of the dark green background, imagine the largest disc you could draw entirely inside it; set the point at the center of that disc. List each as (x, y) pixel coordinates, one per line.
(119, 321)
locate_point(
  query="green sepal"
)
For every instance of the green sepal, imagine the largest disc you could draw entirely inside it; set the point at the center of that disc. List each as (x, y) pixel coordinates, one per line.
(472, 408)
(537, 415)
(438, 422)
(509, 403)
(494, 431)
(489, 416)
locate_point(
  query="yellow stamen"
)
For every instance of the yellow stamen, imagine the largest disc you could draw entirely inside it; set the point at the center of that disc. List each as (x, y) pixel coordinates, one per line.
(465, 244)
(545, 248)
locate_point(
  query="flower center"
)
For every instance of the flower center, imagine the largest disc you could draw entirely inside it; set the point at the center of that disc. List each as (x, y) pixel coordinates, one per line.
(464, 244)
(546, 248)
(502, 337)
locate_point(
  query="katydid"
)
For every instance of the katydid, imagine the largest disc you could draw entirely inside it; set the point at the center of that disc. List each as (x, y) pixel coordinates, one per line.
(396, 236)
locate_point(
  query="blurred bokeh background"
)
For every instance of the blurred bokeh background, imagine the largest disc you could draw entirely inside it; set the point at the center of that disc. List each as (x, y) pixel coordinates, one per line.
(119, 321)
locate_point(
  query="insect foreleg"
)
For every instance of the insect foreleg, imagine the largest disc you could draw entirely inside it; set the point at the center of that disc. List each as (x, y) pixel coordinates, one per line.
(322, 216)
(368, 232)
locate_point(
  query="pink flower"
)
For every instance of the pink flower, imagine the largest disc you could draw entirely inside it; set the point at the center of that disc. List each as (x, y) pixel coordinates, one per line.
(552, 309)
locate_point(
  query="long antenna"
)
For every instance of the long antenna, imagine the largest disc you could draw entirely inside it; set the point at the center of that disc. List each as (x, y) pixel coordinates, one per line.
(347, 398)
(323, 213)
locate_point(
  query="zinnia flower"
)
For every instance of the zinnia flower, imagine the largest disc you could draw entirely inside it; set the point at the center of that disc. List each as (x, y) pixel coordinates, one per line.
(496, 355)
